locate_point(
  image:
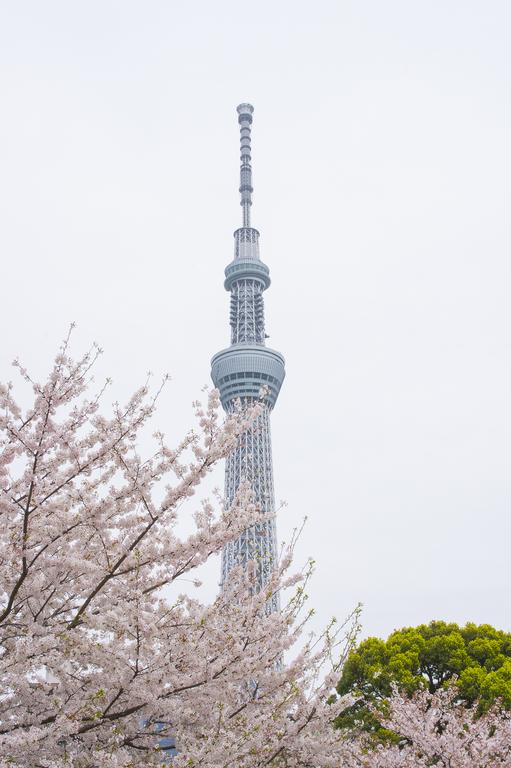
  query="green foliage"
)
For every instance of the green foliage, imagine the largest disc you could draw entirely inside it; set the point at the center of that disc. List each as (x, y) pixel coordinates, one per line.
(477, 658)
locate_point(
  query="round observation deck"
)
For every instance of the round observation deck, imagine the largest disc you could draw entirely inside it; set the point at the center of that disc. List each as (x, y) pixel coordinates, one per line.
(245, 371)
(240, 269)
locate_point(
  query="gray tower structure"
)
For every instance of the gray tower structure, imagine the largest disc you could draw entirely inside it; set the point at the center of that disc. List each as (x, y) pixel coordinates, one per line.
(244, 370)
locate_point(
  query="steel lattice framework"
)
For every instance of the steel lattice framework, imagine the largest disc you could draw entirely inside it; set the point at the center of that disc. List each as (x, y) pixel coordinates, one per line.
(244, 370)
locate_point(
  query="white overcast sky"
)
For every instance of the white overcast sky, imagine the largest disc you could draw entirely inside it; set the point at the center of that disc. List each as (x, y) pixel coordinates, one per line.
(382, 167)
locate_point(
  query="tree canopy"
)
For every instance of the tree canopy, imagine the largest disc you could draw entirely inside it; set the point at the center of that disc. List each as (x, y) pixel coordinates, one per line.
(103, 659)
(476, 657)
(435, 732)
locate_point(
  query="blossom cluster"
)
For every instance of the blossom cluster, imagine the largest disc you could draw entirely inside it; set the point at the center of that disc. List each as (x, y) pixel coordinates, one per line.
(97, 663)
(437, 730)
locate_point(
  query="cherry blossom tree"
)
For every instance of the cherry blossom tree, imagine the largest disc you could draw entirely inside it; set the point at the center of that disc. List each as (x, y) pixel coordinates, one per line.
(100, 655)
(437, 730)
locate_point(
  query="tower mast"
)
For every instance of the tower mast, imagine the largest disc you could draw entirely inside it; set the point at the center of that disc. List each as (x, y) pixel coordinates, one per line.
(245, 112)
(241, 371)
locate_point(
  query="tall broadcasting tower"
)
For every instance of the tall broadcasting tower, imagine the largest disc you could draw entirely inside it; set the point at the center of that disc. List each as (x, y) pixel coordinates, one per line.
(240, 372)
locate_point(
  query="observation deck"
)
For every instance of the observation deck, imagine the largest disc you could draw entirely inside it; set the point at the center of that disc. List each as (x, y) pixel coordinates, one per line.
(243, 370)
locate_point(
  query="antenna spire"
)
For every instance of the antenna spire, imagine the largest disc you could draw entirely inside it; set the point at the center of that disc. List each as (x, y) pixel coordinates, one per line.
(245, 120)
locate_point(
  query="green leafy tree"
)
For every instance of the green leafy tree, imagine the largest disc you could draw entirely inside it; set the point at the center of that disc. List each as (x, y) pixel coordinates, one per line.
(476, 657)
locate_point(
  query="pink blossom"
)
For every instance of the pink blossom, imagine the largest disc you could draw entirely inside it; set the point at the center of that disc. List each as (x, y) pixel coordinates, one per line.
(96, 664)
(438, 731)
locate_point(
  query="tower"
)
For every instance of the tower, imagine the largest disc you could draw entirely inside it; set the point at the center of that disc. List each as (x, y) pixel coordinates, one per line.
(244, 370)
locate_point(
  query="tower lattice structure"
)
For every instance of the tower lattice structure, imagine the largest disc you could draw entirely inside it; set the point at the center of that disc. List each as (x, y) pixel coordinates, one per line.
(241, 373)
